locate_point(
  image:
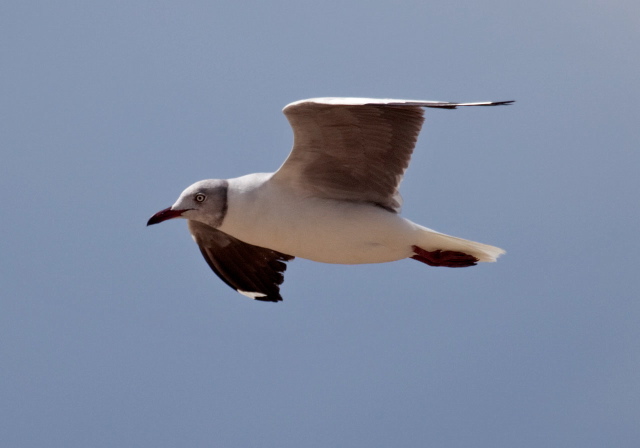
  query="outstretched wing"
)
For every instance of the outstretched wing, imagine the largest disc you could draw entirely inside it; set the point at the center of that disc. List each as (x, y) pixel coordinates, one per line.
(355, 148)
(253, 271)
(350, 151)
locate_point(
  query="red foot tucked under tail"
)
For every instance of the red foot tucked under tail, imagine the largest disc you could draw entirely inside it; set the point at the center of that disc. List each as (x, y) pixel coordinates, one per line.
(448, 258)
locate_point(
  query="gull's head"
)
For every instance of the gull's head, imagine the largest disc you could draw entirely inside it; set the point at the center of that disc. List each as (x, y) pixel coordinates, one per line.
(204, 201)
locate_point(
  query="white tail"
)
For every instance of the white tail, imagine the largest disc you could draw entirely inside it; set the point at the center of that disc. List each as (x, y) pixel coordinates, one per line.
(431, 240)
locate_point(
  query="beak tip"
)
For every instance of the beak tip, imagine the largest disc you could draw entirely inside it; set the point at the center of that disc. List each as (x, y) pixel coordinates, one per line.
(164, 215)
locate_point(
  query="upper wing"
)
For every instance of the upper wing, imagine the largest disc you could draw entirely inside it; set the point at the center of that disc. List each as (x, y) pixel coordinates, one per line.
(253, 271)
(355, 148)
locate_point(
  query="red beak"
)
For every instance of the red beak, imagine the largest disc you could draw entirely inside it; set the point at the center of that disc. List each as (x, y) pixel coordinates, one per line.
(163, 215)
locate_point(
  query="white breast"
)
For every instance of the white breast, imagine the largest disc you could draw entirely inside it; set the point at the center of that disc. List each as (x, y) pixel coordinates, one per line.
(266, 214)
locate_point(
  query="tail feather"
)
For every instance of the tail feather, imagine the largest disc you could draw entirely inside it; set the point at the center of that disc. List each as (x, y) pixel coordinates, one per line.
(432, 241)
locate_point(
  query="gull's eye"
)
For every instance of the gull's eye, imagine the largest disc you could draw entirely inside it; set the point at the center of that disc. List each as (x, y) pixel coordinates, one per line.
(200, 197)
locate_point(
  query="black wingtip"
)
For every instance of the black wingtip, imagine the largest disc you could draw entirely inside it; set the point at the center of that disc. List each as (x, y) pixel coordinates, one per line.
(270, 299)
(503, 103)
(491, 103)
(456, 105)
(261, 296)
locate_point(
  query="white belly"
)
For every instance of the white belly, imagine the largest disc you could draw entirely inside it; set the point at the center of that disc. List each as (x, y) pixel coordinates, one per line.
(317, 229)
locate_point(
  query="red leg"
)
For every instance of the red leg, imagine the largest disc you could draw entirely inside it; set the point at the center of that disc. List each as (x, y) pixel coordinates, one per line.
(448, 258)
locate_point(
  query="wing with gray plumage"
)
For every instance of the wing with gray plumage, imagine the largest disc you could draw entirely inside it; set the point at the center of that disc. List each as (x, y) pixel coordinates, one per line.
(355, 148)
(253, 271)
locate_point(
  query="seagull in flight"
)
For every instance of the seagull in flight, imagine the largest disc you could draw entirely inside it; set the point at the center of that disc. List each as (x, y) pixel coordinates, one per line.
(334, 200)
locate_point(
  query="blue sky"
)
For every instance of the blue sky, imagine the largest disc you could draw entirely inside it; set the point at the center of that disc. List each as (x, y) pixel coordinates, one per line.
(113, 334)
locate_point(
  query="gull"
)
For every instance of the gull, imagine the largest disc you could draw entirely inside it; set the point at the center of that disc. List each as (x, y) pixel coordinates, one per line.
(335, 199)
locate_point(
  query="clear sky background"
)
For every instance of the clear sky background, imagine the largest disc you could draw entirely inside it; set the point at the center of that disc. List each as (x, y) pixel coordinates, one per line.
(115, 335)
